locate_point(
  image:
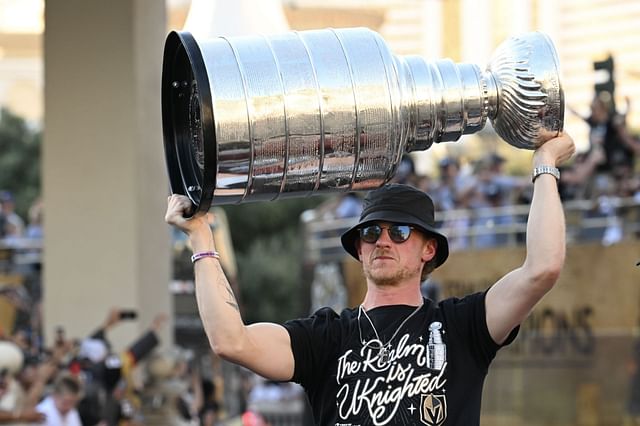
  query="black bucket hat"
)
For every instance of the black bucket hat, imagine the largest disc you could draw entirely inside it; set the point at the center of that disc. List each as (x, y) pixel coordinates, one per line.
(398, 203)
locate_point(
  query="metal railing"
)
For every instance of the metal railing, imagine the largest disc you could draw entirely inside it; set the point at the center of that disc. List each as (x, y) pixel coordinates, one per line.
(19, 253)
(607, 219)
(282, 413)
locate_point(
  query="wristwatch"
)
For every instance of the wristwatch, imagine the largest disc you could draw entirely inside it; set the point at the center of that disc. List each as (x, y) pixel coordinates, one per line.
(537, 171)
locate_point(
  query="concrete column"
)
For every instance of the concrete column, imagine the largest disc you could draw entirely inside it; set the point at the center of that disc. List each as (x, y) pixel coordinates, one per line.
(104, 179)
(521, 17)
(477, 22)
(432, 36)
(549, 19)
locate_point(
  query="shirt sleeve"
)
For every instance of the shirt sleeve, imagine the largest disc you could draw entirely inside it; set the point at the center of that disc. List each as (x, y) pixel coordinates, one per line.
(468, 319)
(314, 341)
(143, 345)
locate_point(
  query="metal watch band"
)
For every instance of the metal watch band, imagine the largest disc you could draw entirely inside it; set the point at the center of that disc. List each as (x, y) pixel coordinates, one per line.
(537, 171)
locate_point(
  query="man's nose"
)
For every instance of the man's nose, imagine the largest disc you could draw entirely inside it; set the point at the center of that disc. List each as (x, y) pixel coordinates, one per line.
(384, 239)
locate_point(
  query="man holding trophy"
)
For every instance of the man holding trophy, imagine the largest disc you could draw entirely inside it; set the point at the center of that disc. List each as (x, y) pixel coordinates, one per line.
(398, 358)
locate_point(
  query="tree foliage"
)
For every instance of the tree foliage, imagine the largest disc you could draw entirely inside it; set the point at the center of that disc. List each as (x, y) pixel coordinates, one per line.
(270, 278)
(19, 160)
(268, 241)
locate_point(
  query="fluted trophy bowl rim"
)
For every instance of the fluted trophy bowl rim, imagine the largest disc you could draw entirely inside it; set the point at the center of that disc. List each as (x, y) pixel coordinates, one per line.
(534, 84)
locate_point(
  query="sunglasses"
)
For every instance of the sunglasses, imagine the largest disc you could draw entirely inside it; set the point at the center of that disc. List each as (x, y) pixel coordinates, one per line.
(397, 233)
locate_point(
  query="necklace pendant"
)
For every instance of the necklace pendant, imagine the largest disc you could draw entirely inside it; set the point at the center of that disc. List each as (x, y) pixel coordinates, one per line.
(383, 355)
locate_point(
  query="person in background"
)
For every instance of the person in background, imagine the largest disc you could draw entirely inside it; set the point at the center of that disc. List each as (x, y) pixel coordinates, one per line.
(13, 223)
(604, 130)
(3, 225)
(59, 408)
(34, 228)
(27, 384)
(13, 407)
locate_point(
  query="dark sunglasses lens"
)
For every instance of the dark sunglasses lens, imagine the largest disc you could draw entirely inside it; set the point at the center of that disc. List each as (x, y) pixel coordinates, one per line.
(399, 233)
(370, 234)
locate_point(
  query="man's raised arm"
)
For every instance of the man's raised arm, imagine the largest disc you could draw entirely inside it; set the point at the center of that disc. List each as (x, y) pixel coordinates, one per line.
(511, 299)
(264, 348)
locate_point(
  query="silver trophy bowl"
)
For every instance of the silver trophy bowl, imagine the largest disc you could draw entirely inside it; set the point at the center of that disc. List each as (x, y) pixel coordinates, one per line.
(262, 118)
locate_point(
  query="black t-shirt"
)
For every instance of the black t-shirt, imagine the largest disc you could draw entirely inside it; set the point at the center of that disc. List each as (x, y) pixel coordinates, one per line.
(434, 375)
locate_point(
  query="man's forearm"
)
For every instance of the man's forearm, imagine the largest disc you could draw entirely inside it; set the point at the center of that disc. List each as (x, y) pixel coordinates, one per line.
(217, 303)
(546, 243)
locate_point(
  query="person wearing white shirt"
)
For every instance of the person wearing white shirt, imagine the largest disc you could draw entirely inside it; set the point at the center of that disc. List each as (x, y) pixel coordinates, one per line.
(60, 407)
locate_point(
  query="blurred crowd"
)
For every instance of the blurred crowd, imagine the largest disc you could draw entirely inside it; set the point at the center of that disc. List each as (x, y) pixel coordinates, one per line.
(605, 168)
(86, 382)
(603, 175)
(12, 226)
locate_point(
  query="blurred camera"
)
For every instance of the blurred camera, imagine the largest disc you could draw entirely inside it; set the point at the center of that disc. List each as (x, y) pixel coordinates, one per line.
(128, 314)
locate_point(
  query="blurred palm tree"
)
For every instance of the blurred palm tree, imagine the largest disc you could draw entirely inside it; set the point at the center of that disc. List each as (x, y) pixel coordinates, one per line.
(19, 160)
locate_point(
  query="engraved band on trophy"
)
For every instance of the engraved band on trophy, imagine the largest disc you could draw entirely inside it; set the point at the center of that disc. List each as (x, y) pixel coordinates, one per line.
(262, 118)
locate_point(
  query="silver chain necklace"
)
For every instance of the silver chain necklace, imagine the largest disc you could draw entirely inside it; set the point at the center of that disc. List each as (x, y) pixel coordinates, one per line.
(383, 351)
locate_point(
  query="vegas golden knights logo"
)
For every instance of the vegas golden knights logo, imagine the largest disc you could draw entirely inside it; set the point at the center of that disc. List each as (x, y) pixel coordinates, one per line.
(433, 409)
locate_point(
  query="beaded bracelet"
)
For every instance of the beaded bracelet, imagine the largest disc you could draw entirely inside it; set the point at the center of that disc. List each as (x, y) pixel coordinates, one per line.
(203, 254)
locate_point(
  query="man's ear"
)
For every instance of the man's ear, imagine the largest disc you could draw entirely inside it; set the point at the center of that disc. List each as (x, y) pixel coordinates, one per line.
(430, 249)
(358, 249)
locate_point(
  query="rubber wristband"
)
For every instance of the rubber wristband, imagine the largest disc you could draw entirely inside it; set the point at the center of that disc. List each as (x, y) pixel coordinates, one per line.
(203, 254)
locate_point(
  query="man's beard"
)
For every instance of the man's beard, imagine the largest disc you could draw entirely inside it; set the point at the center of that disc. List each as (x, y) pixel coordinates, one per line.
(385, 276)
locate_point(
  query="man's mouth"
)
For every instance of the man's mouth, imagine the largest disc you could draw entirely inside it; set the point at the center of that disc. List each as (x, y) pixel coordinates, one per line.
(382, 257)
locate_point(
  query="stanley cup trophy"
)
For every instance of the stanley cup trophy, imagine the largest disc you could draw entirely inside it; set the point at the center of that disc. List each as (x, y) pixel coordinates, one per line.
(262, 118)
